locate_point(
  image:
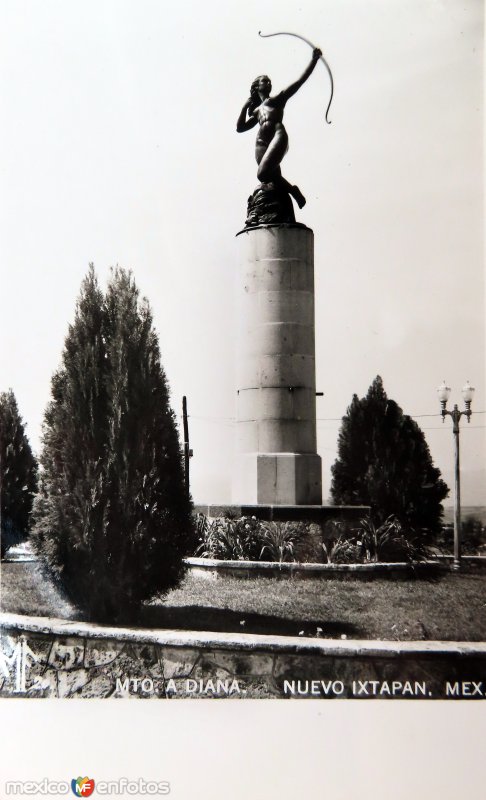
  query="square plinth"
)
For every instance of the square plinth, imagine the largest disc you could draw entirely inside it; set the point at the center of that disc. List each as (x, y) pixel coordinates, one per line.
(278, 479)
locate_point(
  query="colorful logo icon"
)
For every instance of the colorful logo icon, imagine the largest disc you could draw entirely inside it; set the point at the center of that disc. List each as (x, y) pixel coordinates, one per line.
(82, 787)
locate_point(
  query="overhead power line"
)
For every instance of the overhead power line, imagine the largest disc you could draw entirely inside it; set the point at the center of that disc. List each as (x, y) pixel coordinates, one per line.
(232, 420)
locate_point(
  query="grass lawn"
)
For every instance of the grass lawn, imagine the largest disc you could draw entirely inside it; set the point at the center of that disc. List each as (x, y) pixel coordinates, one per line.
(25, 588)
(451, 608)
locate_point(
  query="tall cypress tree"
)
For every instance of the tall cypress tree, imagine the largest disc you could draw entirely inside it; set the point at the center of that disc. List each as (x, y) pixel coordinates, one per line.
(384, 461)
(112, 518)
(18, 473)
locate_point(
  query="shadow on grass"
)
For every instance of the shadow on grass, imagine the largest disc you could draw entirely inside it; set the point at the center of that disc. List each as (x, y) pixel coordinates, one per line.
(206, 618)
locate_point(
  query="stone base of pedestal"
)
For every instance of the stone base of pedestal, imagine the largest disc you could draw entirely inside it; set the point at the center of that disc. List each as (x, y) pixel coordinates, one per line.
(283, 513)
(278, 479)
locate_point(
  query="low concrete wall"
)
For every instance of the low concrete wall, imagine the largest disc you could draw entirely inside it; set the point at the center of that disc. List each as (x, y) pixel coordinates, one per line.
(41, 657)
(286, 513)
(216, 568)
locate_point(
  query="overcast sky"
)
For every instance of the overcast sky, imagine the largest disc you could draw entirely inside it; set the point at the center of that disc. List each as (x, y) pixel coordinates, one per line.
(118, 146)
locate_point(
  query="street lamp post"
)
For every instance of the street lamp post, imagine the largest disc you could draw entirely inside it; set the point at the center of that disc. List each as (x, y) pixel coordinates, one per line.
(467, 393)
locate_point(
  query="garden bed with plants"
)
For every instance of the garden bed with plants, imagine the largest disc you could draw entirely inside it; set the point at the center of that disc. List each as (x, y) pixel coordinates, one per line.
(247, 547)
(335, 544)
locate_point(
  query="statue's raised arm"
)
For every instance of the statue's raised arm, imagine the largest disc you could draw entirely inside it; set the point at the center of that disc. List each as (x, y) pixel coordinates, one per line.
(314, 49)
(294, 87)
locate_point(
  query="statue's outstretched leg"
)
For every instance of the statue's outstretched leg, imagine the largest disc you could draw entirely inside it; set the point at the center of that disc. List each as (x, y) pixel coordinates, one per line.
(292, 190)
(295, 192)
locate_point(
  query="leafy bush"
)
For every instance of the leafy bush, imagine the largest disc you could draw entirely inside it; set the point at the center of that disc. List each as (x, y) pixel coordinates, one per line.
(341, 551)
(279, 540)
(248, 539)
(473, 536)
(229, 539)
(18, 474)
(390, 542)
(112, 517)
(384, 462)
(339, 544)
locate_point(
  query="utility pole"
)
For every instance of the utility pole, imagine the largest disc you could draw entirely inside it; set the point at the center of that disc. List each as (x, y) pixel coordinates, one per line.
(187, 450)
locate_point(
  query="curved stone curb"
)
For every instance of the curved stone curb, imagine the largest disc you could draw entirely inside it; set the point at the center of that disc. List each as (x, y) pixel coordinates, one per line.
(199, 566)
(80, 660)
(240, 641)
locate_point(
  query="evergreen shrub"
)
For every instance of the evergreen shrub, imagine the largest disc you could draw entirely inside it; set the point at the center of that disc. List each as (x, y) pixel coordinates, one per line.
(112, 518)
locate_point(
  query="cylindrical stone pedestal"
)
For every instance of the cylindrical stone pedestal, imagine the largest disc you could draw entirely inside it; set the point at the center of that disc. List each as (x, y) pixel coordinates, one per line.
(276, 461)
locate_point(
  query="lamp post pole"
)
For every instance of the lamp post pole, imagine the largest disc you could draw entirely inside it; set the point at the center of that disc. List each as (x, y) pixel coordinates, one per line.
(444, 393)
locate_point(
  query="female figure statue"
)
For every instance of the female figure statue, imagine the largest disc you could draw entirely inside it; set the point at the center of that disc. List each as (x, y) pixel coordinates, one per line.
(272, 141)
